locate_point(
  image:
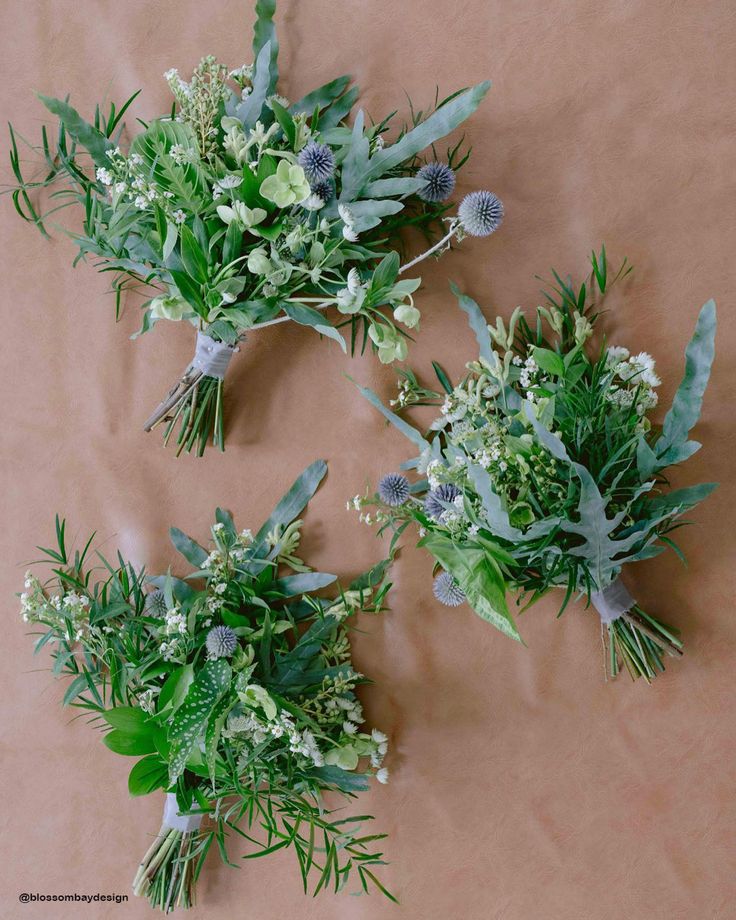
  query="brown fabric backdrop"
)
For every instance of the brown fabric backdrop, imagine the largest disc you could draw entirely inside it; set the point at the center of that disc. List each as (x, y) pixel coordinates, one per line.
(523, 787)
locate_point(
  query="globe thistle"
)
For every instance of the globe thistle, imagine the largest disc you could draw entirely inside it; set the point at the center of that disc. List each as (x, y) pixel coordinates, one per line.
(317, 161)
(448, 591)
(480, 213)
(221, 642)
(325, 190)
(440, 181)
(156, 604)
(393, 489)
(434, 503)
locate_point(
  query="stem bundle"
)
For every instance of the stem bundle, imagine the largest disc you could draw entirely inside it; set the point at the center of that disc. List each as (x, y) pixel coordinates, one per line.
(168, 872)
(639, 642)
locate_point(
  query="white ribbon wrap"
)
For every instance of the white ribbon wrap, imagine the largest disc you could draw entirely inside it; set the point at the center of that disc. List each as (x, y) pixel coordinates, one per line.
(612, 602)
(212, 358)
(172, 818)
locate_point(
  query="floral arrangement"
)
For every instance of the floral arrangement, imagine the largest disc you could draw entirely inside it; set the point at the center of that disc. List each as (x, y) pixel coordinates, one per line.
(239, 209)
(544, 469)
(235, 689)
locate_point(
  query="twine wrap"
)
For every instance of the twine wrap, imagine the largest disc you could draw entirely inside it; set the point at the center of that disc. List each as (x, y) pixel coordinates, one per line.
(172, 818)
(612, 602)
(212, 358)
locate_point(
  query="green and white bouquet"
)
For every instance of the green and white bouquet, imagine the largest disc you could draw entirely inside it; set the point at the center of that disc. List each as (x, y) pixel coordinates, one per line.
(239, 209)
(544, 470)
(233, 688)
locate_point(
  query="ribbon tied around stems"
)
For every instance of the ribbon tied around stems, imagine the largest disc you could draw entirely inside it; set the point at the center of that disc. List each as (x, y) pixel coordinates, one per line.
(212, 358)
(175, 821)
(612, 602)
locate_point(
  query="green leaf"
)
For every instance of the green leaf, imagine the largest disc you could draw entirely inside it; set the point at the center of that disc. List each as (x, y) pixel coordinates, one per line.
(188, 548)
(189, 723)
(478, 576)
(303, 583)
(549, 361)
(404, 427)
(477, 322)
(83, 132)
(264, 35)
(321, 97)
(285, 121)
(194, 259)
(438, 125)
(308, 316)
(175, 688)
(368, 213)
(233, 243)
(250, 110)
(388, 188)
(213, 732)
(688, 399)
(190, 291)
(186, 181)
(355, 165)
(130, 745)
(292, 504)
(386, 272)
(680, 500)
(147, 775)
(129, 719)
(341, 779)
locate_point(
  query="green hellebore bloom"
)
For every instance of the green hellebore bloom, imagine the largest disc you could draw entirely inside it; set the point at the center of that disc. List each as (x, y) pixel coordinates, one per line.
(170, 306)
(259, 263)
(407, 315)
(391, 346)
(287, 186)
(240, 213)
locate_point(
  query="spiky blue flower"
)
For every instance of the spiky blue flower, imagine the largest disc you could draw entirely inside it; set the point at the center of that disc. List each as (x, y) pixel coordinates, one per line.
(325, 190)
(156, 603)
(434, 503)
(317, 161)
(440, 181)
(448, 591)
(393, 489)
(480, 213)
(221, 642)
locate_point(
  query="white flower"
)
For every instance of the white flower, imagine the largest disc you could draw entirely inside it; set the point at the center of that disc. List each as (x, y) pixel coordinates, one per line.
(104, 176)
(230, 181)
(141, 202)
(349, 233)
(349, 728)
(382, 775)
(221, 588)
(119, 187)
(313, 203)
(179, 216)
(378, 736)
(616, 353)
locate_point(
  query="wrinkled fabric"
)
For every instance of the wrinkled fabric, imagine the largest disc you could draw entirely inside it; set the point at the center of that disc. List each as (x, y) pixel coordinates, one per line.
(523, 787)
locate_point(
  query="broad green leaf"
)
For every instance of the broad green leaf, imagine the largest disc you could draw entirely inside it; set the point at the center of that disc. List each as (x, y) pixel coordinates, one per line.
(130, 745)
(213, 732)
(680, 499)
(186, 181)
(386, 272)
(303, 583)
(478, 576)
(688, 399)
(341, 779)
(264, 34)
(368, 213)
(80, 130)
(250, 110)
(188, 548)
(194, 259)
(372, 577)
(321, 97)
(190, 291)
(549, 361)
(148, 775)
(295, 500)
(190, 720)
(233, 243)
(285, 121)
(388, 188)
(175, 688)
(477, 322)
(308, 316)
(129, 719)
(355, 165)
(438, 125)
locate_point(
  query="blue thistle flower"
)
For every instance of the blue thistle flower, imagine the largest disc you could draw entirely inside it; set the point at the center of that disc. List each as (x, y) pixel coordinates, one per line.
(317, 161)
(325, 190)
(440, 181)
(480, 213)
(434, 503)
(156, 603)
(393, 489)
(221, 642)
(448, 591)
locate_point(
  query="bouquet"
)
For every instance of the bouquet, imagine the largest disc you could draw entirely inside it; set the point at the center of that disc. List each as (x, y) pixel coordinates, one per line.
(239, 209)
(233, 688)
(544, 470)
